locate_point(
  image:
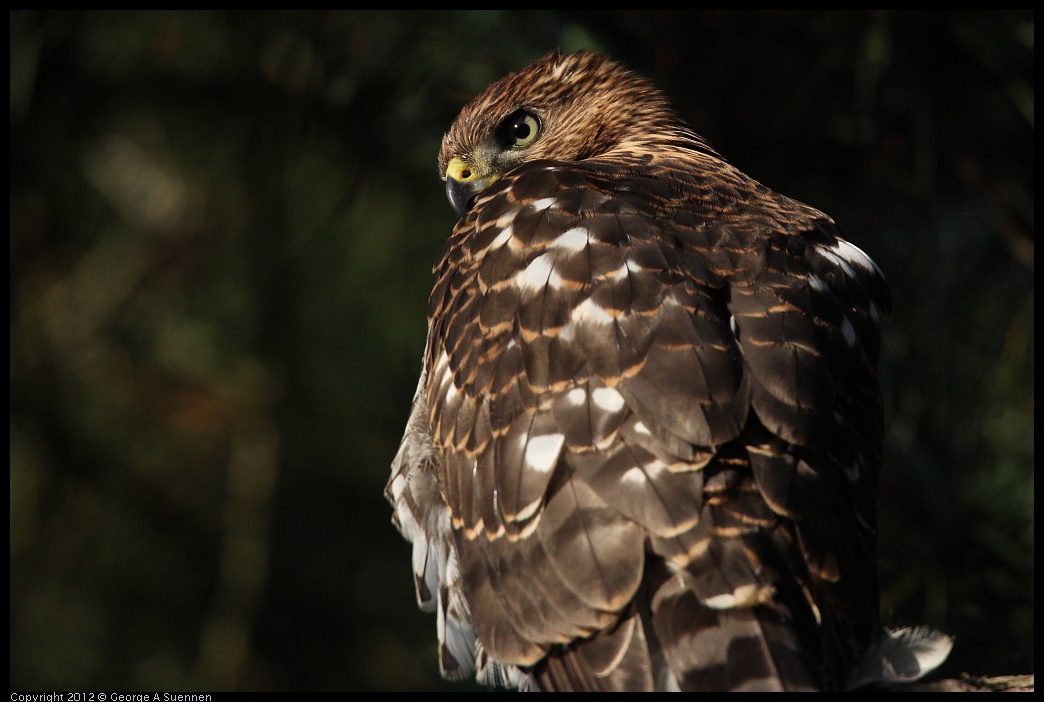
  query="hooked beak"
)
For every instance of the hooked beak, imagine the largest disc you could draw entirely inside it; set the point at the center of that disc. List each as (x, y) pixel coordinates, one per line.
(464, 182)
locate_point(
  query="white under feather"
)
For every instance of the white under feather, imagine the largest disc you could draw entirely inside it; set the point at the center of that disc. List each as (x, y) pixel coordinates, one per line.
(424, 519)
(901, 656)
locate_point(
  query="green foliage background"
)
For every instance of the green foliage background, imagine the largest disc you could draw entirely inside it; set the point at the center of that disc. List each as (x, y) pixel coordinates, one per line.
(222, 232)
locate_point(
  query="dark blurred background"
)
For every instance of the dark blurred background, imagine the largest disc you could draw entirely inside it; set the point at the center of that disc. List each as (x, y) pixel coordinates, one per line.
(222, 232)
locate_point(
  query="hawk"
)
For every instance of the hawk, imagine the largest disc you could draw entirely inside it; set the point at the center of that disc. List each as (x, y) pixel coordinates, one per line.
(644, 448)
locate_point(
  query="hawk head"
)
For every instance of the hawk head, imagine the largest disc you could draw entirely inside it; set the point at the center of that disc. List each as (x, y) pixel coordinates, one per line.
(565, 108)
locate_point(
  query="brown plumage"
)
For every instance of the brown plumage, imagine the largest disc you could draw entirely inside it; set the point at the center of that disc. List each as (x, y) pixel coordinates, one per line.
(643, 452)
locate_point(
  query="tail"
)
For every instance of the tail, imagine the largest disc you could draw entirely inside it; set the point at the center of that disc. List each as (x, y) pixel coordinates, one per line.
(672, 640)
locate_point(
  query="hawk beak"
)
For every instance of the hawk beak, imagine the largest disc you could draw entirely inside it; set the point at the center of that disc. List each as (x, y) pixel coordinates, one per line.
(463, 183)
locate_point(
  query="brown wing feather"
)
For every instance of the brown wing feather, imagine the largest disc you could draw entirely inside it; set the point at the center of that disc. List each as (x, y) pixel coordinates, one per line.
(632, 372)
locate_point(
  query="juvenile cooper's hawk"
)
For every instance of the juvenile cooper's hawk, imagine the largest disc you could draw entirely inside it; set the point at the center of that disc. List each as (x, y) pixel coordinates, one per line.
(644, 449)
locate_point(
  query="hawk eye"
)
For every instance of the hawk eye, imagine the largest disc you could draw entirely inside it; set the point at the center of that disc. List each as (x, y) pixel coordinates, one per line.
(520, 129)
